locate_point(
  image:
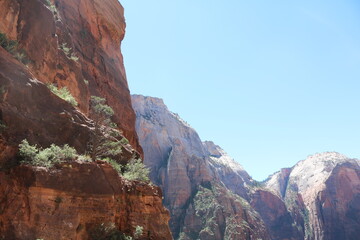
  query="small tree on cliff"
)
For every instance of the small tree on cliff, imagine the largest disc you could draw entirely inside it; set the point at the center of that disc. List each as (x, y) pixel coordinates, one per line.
(103, 140)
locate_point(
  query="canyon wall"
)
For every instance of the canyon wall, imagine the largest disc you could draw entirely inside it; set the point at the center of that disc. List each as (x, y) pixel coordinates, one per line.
(322, 193)
(208, 194)
(72, 44)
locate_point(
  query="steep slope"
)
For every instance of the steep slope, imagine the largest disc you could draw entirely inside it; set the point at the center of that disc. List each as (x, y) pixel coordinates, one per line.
(322, 192)
(208, 194)
(73, 44)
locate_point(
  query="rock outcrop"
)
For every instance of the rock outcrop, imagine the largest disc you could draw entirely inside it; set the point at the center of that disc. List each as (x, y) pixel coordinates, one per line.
(72, 44)
(72, 200)
(322, 193)
(208, 194)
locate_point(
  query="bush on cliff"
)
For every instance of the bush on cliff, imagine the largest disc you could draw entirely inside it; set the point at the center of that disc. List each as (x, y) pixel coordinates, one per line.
(107, 231)
(63, 93)
(47, 157)
(12, 46)
(136, 170)
(104, 142)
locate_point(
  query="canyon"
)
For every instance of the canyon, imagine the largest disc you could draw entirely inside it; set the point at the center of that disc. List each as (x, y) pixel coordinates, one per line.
(211, 196)
(197, 192)
(72, 45)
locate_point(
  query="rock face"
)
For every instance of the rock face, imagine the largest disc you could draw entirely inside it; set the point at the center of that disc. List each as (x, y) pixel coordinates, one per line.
(322, 193)
(74, 44)
(317, 199)
(70, 202)
(208, 194)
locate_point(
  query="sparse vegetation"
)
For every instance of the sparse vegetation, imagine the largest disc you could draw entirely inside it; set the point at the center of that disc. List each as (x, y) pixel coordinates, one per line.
(118, 167)
(68, 52)
(2, 126)
(51, 6)
(47, 157)
(138, 232)
(103, 141)
(108, 231)
(84, 158)
(136, 170)
(63, 93)
(12, 46)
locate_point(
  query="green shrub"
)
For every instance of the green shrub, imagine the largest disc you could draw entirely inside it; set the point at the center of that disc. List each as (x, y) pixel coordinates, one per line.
(63, 93)
(84, 158)
(103, 139)
(124, 141)
(12, 46)
(136, 170)
(45, 157)
(107, 231)
(68, 52)
(27, 152)
(138, 232)
(2, 126)
(8, 45)
(117, 166)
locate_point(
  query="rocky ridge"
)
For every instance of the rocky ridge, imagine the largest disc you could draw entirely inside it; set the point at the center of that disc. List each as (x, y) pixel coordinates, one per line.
(318, 198)
(322, 193)
(208, 194)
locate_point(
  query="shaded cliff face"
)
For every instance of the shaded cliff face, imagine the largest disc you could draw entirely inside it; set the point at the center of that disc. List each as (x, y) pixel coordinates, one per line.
(208, 194)
(70, 202)
(75, 44)
(322, 192)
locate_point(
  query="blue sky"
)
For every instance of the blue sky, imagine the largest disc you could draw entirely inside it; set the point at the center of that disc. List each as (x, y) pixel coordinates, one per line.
(271, 82)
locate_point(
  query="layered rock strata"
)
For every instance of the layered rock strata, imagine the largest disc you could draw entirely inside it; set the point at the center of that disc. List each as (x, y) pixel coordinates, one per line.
(73, 199)
(322, 193)
(208, 194)
(74, 44)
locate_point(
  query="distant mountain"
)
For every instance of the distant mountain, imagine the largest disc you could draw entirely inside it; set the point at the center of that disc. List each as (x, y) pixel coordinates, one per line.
(208, 194)
(322, 193)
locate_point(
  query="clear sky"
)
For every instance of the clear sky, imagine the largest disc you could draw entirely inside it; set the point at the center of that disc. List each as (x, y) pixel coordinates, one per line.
(271, 82)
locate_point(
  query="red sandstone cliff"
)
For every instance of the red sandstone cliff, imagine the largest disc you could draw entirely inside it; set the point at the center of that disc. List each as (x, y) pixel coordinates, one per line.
(74, 44)
(70, 202)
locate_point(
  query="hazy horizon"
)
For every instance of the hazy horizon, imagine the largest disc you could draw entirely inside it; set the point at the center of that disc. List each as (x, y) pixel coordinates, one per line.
(269, 82)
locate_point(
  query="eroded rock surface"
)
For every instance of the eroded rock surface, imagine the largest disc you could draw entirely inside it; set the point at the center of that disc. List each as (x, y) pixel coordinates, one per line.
(70, 201)
(75, 44)
(322, 193)
(208, 194)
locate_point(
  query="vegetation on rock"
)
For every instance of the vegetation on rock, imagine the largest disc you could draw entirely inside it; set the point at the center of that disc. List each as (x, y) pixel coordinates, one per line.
(135, 170)
(63, 93)
(47, 157)
(108, 231)
(103, 140)
(12, 46)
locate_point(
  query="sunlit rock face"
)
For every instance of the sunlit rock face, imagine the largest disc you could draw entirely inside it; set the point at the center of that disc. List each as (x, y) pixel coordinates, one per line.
(208, 194)
(73, 44)
(71, 201)
(322, 193)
